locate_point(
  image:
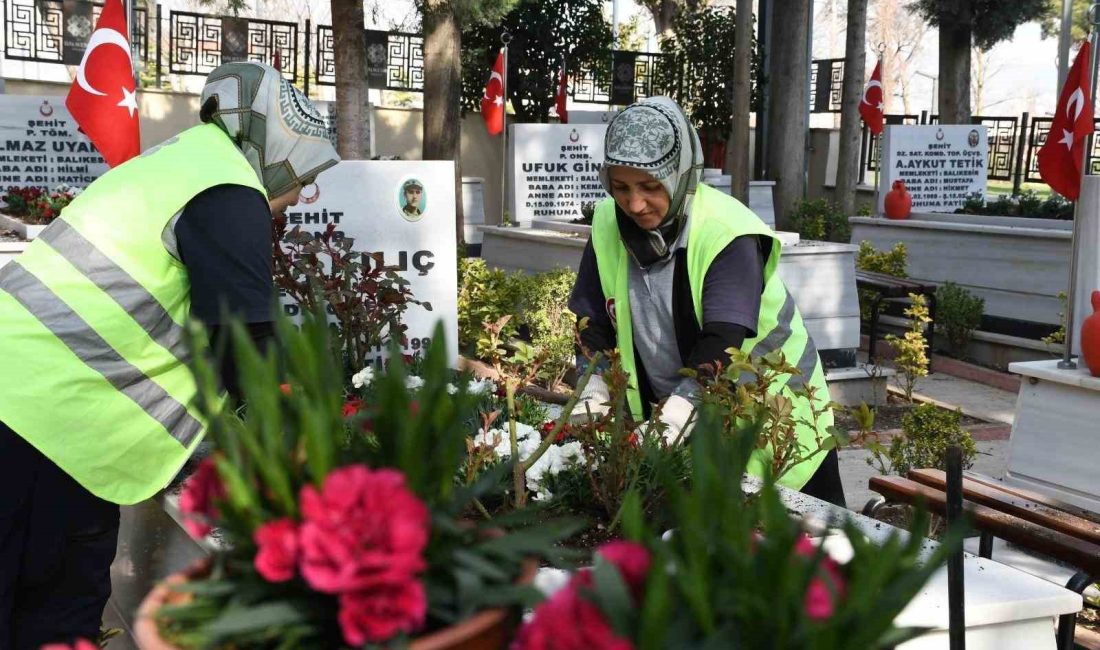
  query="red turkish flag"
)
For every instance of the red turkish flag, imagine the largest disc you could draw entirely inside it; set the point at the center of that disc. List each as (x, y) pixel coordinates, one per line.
(492, 102)
(870, 105)
(560, 98)
(1061, 156)
(102, 97)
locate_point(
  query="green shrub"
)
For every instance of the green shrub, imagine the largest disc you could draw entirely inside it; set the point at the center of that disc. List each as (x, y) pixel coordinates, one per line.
(928, 431)
(485, 295)
(910, 355)
(891, 262)
(959, 312)
(821, 220)
(1027, 204)
(545, 312)
(538, 304)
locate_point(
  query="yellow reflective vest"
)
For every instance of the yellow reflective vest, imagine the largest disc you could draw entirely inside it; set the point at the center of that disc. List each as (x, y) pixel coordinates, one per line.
(94, 367)
(716, 220)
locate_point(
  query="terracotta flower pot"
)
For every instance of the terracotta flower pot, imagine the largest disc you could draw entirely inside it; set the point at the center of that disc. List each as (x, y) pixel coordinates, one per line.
(488, 630)
(898, 203)
(1090, 337)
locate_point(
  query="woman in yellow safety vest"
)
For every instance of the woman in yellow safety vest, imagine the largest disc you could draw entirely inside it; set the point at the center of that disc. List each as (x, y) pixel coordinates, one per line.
(676, 273)
(97, 404)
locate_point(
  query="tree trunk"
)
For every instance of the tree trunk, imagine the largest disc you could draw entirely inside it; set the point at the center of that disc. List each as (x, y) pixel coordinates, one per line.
(788, 107)
(955, 71)
(352, 102)
(855, 56)
(443, 92)
(737, 156)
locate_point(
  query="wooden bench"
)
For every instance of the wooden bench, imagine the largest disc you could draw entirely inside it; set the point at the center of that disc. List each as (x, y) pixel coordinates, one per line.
(888, 287)
(1026, 519)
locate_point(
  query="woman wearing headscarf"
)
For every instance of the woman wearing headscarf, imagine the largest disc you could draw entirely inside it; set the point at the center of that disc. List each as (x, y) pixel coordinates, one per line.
(97, 404)
(676, 273)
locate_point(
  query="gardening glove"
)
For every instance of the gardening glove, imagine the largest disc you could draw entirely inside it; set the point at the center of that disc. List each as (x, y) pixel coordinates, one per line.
(594, 399)
(677, 418)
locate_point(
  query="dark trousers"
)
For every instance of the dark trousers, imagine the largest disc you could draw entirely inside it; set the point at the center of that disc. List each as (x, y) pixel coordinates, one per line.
(825, 483)
(57, 542)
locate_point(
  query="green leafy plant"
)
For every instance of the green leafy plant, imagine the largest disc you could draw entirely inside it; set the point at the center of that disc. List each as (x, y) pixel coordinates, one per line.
(911, 356)
(821, 220)
(365, 301)
(1058, 336)
(734, 570)
(927, 432)
(537, 305)
(312, 502)
(960, 313)
(1028, 204)
(891, 262)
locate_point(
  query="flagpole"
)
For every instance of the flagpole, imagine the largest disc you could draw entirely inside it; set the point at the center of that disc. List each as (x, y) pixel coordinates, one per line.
(878, 141)
(506, 218)
(1067, 362)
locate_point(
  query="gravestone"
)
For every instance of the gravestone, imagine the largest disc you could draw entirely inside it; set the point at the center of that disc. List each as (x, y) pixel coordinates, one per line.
(941, 166)
(411, 233)
(41, 146)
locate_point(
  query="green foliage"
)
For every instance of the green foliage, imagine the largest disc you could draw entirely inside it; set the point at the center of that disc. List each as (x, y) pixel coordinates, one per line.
(990, 20)
(911, 356)
(821, 220)
(485, 295)
(1028, 204)
(891, 262)
(293, 437)
(701, 52)
(537, 303)
(1058, 336)
(1051, 22)
(544, 33)
(959, 312)
(927, 432)
(552, 326)
(734, 570)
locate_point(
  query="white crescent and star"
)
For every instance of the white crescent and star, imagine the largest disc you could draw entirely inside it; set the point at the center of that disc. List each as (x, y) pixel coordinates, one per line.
(100, 37)
(497, 99)
(1075, 104)
(871, 84)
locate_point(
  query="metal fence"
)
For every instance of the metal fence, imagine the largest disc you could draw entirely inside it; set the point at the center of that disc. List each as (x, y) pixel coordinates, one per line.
(33, 30)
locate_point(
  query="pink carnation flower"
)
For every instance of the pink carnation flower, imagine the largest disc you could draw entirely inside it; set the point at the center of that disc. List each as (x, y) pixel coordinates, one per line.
(568, 621)
(277, 556)
(377, 614)
(197, 499)
(364, 529)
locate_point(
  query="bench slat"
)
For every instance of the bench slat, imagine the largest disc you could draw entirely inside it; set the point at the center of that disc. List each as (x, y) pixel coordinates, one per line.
(1077, 552)
(1041, 499)
(992, 497)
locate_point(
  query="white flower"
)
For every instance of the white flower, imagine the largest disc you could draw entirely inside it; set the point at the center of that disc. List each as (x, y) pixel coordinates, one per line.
(556, 459)
(527, 439)
(363, 377)
(452, 389)
(481, 386)
(412, 382)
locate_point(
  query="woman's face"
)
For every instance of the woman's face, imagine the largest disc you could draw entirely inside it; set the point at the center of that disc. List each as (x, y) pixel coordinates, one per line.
(640, 196)
(280, 203)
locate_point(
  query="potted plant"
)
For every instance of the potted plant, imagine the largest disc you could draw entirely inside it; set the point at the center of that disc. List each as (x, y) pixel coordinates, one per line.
(342, 527)
(733, 570)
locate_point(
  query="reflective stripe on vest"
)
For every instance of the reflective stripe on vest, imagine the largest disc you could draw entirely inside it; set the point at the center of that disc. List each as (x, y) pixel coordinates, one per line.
(94, 372)
(86, 344)
(716, 220)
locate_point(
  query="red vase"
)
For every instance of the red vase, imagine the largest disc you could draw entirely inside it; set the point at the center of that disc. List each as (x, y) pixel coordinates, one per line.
(898, 203)
(1090, 337)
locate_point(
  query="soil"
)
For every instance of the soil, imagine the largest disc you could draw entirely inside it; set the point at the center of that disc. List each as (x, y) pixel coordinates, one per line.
(9, 235)
(888, 416)
(1089, 618)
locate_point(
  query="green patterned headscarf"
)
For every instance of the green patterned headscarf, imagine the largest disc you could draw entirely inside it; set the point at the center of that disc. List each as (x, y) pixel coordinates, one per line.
(655, 136)
(274, 125)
